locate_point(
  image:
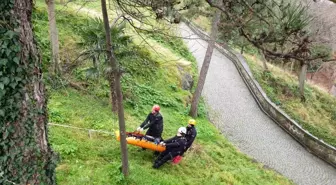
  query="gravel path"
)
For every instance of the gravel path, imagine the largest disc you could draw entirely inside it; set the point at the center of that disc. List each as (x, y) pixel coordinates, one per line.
(239, 118)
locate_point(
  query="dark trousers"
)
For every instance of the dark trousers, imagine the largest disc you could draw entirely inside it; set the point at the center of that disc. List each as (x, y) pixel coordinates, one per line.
(164, 157)
(186, 149)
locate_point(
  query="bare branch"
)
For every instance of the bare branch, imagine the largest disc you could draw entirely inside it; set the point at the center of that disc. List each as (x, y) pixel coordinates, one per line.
(116, 20)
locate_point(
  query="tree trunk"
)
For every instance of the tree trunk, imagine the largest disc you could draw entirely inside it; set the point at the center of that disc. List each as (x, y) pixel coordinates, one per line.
(123, 143)
(206, 64)
(53, 36)
(117, 75)
(242, 50)
(302, 79)
(264, 61)
(26, 156)
(282, 64)
(292, 66)
(111, 75)
(113, 93)
(95, 64)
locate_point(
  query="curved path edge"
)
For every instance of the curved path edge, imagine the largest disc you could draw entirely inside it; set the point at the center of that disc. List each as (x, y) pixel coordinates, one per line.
(310, 142)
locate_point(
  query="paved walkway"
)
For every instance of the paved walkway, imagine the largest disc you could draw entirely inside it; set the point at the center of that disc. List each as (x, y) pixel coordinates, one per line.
(239, 118)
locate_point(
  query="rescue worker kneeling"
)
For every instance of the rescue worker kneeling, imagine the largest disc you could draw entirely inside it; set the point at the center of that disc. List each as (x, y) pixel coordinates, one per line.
(174, 146)
(191, 133)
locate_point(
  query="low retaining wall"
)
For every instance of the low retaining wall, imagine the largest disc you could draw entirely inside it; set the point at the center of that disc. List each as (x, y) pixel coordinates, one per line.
(309, 141)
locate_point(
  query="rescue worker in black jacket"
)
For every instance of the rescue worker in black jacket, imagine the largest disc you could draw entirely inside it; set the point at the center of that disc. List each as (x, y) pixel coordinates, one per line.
(154, 123)
(174, 146)
(191, 133)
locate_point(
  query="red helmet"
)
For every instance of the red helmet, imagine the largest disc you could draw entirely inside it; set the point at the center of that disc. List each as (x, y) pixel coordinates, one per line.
(156, 108)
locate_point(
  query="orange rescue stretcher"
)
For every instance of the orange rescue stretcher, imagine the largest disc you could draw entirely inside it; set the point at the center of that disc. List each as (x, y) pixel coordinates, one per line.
(141, 140)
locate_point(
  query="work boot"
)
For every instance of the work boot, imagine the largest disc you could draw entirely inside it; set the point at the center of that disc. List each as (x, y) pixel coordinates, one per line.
(156, 165)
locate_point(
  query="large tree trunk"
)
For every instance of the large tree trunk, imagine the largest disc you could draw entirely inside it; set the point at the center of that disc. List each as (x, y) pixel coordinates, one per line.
(53, 36)
(116, 74)
(206, 64)
(302, 78)
(26, 156)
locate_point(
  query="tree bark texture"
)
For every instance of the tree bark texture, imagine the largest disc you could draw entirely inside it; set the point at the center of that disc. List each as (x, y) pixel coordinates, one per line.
(121, 117)
(113, 93)
(26, 156)
(117, 76)
(53, 36)
(206, 63)
(112, 59)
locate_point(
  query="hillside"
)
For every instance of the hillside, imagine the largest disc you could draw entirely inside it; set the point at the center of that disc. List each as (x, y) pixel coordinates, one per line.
(317, 115)
(153, 76)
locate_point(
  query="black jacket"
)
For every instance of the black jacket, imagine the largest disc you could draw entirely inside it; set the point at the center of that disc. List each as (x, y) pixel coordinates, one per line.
(176, 144)
(155, 125)
(191, 135)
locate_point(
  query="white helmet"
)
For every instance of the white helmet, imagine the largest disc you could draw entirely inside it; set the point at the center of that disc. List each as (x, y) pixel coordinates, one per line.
(182, 130)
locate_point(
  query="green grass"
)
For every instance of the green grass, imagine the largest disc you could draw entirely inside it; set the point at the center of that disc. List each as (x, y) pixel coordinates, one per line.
(203, 22)
(96, 160)
(69, 49)
(317, 114)
(173, 43)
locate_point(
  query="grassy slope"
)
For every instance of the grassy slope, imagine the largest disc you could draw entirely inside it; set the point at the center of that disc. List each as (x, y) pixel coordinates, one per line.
(317, 114)
(96, 160)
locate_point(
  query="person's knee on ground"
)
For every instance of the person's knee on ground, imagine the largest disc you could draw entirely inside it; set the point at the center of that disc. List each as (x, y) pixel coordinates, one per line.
(164, 159)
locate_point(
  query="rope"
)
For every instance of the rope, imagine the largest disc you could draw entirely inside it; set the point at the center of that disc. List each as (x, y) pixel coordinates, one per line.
(86, 129)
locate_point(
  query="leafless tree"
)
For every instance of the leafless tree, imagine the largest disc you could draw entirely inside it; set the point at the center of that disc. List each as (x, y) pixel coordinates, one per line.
(117, 88)
(206, 63)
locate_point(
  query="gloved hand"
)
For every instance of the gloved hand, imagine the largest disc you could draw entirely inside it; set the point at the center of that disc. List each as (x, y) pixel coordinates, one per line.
(139, 129)
(162, 143)
(157, 141)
